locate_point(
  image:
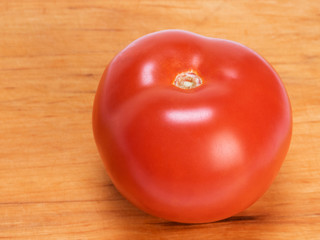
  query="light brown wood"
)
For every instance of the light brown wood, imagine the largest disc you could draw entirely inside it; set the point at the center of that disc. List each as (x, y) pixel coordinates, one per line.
(52, 54)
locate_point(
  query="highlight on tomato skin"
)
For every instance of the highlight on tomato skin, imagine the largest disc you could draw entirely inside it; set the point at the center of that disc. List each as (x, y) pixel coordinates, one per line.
(191, 129)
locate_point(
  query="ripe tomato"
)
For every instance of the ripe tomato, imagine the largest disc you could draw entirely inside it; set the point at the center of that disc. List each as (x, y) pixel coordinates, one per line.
(191, 129)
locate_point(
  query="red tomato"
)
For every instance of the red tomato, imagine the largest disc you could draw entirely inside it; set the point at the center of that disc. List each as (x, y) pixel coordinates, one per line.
(191, 129)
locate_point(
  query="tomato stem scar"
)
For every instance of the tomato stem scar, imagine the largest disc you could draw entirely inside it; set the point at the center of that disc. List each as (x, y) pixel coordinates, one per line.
(187, 80)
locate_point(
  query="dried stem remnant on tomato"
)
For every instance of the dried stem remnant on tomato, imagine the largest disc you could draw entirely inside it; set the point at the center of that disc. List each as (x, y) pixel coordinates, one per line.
(187, 80)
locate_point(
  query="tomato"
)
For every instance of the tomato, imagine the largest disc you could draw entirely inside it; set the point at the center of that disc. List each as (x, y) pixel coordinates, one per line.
(191, 129)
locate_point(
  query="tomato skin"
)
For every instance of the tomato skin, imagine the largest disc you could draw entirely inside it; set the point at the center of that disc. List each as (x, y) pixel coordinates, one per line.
(191, 155)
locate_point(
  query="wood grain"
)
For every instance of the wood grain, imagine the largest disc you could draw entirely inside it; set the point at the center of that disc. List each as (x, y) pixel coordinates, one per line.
(52, 54)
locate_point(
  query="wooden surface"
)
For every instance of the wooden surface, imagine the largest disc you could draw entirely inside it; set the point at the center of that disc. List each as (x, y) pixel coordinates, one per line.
(52, 54)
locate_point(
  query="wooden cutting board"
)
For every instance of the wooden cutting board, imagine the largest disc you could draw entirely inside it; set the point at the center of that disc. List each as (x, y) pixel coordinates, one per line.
(52, 53)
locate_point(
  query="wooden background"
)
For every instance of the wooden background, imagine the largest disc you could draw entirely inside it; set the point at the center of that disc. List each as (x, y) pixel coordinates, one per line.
(52, 54)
